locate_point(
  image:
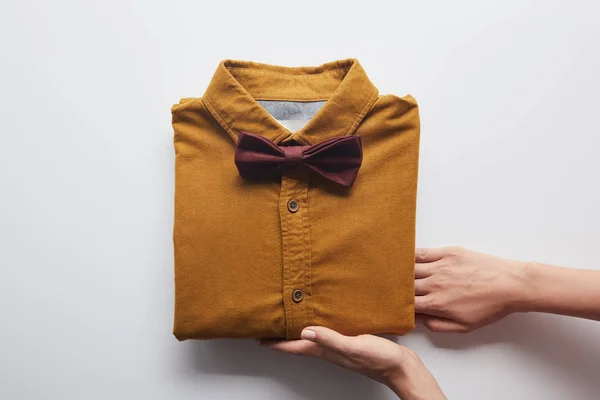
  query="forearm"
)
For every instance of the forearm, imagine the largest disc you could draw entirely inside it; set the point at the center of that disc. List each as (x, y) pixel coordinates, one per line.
(558, 290)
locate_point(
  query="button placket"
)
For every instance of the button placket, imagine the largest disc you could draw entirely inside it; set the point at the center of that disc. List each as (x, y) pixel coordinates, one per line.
(296, 250)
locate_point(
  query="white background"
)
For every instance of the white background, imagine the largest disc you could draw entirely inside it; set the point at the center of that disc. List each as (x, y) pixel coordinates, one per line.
(508, 93)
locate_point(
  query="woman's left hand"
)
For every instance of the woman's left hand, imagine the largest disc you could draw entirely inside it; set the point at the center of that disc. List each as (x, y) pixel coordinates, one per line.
(383, 360)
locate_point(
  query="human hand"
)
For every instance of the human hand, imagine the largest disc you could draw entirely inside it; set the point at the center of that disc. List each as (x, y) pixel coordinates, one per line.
(458, 290)
(383, 360)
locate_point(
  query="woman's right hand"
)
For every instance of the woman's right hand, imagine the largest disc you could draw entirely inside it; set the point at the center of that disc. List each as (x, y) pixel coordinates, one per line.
(458, 290)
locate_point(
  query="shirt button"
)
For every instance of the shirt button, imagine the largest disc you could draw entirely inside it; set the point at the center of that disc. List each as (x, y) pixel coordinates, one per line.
(298, 295)
(293, 206)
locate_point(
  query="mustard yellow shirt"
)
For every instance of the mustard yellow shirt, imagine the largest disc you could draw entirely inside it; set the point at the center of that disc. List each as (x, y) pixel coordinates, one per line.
(266, 259)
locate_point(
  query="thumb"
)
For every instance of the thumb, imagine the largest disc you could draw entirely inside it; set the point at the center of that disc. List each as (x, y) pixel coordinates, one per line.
(327, 338)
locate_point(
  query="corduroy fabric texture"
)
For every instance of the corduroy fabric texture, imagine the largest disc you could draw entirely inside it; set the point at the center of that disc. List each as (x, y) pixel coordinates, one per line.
(248, 263)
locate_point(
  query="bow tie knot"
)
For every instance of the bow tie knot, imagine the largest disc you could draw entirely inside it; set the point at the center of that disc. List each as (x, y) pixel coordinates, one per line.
(293, 155)
(337, 159)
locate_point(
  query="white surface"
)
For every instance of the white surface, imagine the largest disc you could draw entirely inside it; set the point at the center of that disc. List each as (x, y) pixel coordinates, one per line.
(509, 96)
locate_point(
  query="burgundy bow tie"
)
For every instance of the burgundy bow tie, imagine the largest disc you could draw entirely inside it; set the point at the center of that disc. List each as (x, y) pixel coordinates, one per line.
(337, 159)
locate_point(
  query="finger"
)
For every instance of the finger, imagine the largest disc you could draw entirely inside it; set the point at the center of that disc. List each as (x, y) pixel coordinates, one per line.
(438, 324)
(328, 339)
(422, 287)
(297, 347)
(423, 255)
(426, 305)
(425, 270)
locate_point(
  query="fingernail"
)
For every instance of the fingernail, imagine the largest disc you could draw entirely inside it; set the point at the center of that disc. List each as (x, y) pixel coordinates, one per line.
(307, 334)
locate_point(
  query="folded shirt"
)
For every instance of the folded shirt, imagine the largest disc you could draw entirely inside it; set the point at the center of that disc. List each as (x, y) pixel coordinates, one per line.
(295, 197)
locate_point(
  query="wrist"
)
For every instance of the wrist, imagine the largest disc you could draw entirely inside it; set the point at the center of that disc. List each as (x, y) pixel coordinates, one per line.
(405, 390)
(413, 381)
(520, 294)
(411, 392)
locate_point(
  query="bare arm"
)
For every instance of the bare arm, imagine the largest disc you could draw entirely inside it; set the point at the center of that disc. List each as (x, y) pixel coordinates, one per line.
(558, 290)
(458, 290)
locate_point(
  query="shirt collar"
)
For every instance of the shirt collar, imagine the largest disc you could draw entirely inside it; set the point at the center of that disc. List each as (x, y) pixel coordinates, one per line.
(232, 95)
